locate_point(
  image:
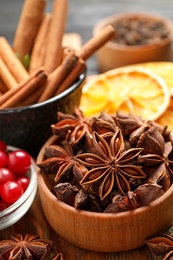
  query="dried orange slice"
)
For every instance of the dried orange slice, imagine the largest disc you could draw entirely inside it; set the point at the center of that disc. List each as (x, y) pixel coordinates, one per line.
(163, 69)
(137, 90)
(167, 118)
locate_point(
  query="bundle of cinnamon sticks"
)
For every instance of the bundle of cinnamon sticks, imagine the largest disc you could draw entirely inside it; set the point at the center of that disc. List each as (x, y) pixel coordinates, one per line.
(52, 67)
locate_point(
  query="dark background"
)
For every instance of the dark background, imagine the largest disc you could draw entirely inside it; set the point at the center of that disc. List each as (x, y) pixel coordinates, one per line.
(83, 15)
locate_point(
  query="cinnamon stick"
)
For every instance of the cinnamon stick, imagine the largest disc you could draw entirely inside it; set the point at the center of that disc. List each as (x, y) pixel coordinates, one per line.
(72, 76)
(28, 25)
(13, 97)
(11, 92)
(96, 42)
(57, 29)
(12, 62)
(57, 76)
(3, 87)
(33, 98)
(6, 76)
(40, 44)
(68, 50)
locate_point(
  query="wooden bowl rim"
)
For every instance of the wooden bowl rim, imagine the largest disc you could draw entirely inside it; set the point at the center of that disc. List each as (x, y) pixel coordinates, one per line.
(120, 47)
(64, 206)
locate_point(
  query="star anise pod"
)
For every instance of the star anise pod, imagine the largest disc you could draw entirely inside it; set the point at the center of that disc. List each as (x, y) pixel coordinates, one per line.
(103, 123)
(133, 126)
(111, 164)
(30, 247)
(73, 127)
(142, 196)
(62, 162)
(128, 123)
(155, 157)
(66, 192)
(162, 244)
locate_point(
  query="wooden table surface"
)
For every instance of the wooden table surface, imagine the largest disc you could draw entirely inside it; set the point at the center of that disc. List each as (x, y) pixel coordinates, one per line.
(35, 218)
(82, 17)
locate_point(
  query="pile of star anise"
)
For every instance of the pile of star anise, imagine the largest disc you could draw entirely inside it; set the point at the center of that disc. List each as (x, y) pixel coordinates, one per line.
(109, 163)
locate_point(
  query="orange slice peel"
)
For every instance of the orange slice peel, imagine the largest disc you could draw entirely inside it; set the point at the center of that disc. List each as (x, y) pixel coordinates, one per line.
(127, 89)
(163, 68)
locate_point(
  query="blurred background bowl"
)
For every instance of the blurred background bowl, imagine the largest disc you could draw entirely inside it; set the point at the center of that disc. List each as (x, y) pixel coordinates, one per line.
(113, 55)
(17, 210)
(29, 127)
(103, 232)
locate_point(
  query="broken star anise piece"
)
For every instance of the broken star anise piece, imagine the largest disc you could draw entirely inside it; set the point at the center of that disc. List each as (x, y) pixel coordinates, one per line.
(122, 203)
(155, 157)
(103, 123)
(160, 245)
(128, 123)
(151, 141)
(111, 164)
(73, 127)
(66, 192)
(62, 162)
(30, 247)
(142, 196)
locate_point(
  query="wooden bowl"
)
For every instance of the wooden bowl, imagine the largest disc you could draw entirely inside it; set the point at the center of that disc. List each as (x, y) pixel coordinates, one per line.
(113, 55)
(103, 232)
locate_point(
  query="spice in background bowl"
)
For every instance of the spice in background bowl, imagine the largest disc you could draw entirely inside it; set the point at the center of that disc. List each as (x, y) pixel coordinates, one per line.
(134, 31)
(140, 37)
(109, 175)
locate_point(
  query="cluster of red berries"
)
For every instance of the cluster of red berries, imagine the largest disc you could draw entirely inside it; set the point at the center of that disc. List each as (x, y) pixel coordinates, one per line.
(13, 179)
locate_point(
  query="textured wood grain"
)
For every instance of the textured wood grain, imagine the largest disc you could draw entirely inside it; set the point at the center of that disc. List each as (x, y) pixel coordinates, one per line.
(70, 252)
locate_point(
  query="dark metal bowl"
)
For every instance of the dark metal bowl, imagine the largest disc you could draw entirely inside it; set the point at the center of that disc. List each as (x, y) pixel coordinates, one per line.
(29, 127)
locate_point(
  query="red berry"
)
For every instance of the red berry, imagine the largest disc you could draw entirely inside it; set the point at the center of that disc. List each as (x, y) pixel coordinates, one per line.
(3, 159)
(19, 161)
(24, 182)
(3, 146)
(11, 191)
(12, 163)
(6, 175)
